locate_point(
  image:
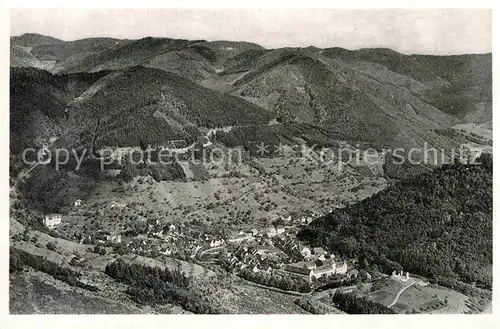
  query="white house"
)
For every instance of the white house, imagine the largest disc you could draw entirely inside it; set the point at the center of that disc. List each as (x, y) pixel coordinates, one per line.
(77, 203)
(52, 220)
(306, 252)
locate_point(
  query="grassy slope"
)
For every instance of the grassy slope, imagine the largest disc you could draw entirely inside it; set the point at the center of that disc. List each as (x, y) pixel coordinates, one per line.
(460, 81)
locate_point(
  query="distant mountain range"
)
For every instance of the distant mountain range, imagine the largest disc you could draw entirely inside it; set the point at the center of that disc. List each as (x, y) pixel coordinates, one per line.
(156, 89)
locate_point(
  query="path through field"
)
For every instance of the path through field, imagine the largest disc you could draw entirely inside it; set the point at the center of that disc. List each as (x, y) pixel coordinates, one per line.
(399, 294)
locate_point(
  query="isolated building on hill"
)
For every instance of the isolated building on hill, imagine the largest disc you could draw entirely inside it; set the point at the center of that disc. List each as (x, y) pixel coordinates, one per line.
(52, 220)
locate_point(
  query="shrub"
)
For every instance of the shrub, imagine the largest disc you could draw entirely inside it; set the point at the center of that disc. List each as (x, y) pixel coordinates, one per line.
(51, 246)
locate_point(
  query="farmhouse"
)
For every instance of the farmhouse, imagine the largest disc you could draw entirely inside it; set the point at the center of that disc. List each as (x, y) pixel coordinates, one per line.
(52, 220)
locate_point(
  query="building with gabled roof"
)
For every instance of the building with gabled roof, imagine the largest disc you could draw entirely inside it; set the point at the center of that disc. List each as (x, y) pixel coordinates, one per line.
(306, 252)
(52, 220)
(319, 251)
(298, 268)
(323, 271)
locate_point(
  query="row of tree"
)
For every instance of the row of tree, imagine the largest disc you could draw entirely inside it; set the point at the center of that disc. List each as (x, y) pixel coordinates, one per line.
(152, 285)
(284, 282)
(352, 304)
(20, 259)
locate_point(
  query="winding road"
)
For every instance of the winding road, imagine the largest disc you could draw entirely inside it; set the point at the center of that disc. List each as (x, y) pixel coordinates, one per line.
(399, 294)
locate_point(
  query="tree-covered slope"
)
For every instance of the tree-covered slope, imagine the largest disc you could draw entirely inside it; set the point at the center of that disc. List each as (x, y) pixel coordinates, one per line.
(438, 224)
(123, 108)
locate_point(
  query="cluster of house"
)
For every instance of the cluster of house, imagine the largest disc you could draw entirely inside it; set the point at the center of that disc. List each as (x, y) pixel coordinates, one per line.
(263, 258)
(270, 249)
(317, 264)
(318, 269)
(254, 233)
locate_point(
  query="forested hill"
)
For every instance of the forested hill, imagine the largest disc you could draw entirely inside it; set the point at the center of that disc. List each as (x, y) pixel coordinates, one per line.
(437, 224)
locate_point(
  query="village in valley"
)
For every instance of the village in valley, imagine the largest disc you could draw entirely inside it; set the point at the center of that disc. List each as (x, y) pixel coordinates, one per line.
(171, 176)
(238, 220)
(270, 257)
(246, 229)
(272, 250)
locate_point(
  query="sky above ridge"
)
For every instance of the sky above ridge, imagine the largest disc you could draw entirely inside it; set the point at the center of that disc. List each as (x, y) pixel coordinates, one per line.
(430, 31)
